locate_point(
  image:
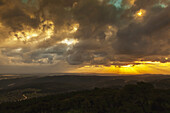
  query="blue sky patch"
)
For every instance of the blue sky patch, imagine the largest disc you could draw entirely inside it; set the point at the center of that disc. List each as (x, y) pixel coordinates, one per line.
(116, 3)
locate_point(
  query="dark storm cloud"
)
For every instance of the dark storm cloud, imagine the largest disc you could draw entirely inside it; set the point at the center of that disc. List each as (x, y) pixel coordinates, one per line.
(59, 11)
(145, 3)
(15, 15)
(82, 52)
(79, 57)
(150, 37)
(16, 18)
(155, 58)
(94, 18)
(141, 38)
(107, 35)
(92, 12)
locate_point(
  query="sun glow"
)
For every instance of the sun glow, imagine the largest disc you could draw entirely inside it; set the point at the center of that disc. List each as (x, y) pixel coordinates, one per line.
(140, 14)
(144, 67)
(31, 36)
(127, 65)
(18, 50)
(69, 41)
(74, 28)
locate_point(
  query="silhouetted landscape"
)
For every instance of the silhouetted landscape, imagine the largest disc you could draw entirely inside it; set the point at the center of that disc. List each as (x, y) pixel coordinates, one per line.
(85, 94)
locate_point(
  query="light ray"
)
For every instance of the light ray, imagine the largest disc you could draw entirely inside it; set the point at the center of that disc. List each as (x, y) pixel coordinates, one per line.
(143, 68)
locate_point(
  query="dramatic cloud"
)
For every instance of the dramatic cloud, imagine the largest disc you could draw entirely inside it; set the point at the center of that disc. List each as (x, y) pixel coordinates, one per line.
(77, 33)
(150, 37)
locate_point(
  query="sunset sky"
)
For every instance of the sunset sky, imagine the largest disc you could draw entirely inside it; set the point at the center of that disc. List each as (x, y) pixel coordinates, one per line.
(85, 36)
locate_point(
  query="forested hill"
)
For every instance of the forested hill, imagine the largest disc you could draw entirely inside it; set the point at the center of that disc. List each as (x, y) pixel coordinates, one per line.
(139, 98)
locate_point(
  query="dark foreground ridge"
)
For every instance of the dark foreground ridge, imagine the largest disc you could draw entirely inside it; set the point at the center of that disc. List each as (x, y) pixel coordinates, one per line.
(26, 87)
(137, 98)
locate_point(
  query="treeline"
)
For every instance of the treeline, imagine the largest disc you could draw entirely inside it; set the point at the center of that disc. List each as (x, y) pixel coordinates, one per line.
(139, 98)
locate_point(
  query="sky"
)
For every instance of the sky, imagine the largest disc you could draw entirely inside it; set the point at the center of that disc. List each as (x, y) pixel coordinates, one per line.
(85, 36)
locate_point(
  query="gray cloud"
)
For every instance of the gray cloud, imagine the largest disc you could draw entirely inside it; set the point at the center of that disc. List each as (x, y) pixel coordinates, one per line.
(15, 16)
(148, 38)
